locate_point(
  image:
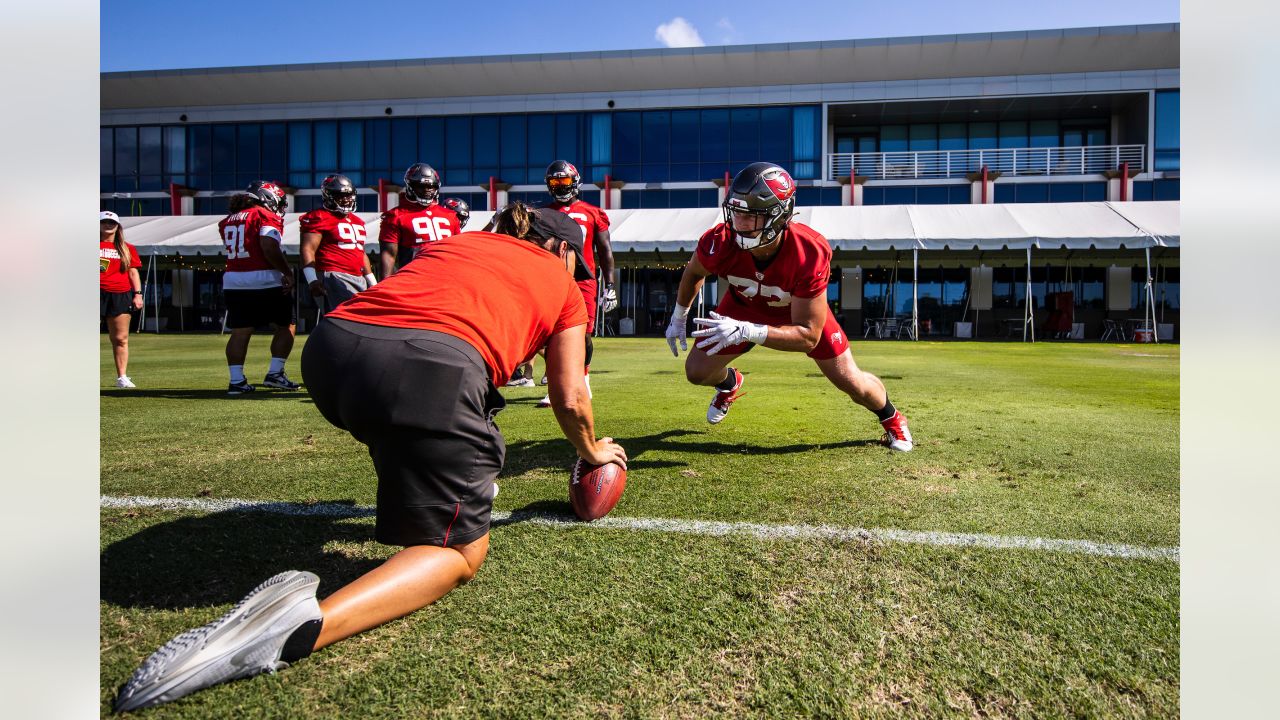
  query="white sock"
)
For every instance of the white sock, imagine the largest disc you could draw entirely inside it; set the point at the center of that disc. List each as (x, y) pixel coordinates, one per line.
(586, 379)
(237, 373)
(277, 365)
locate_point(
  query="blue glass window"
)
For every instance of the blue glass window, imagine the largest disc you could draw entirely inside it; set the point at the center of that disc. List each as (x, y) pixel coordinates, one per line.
(1044, 133)
(1031, 192)
(599, 144)
(982, 135)
(1168, 141)
(958, 194)
(805, 143)
(273, 152)
(431, 144)
(484, 143)
(923, 137)
(224, 149)
(1095, 191)
(404, 144)
(897, 195)
(893, 138)
(300, 154)
(569, 138)
(655, 146)
(1066, 192)
(952, 136)
(248, 153)
(714, 143)
(1013, 134)
(1167, 190)
(514, 150)
(1142, 190)
(326, 149)
(377, 152)
(106, 159)
(126, 148)
(744, 136)
(932, 195)
(199, 149)
(775, 135)
(1004, 193)
(457, 150)
(542, 145)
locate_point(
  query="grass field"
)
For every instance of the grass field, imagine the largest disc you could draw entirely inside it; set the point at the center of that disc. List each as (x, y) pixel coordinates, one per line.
(1063, 441)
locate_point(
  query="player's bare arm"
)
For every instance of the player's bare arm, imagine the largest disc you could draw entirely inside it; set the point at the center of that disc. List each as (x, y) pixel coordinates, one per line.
(307, 246)
(690, 282)
(274, 255)
(566, 352)
(805, 330)
(387, 257)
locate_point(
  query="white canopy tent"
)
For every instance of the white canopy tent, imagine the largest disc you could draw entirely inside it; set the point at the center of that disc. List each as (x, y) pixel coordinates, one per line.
(927, 228)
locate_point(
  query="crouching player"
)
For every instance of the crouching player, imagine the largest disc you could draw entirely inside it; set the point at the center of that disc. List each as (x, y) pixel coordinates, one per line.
(777, 272)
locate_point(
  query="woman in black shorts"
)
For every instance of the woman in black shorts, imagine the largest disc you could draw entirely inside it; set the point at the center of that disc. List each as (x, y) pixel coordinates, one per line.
(411, 367)
(119, 289)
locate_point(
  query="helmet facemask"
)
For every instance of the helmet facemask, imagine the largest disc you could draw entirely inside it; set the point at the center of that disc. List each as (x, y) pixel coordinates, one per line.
(338, 194)
(757, 227)
(564, 188)
(421, 184)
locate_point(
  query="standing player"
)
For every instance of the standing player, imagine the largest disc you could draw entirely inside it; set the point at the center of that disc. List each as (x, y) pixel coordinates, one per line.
(258, 283)
(459, 208)
(564, 185)
(777, 272)
(416, 221)
(332, 246)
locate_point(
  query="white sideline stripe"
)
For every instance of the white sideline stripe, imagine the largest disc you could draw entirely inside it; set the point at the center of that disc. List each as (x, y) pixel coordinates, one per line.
(692, 527)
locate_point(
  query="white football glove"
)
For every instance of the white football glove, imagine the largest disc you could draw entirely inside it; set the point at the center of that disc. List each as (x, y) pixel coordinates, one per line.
(719, 332)
(610, 299)
(676, 329)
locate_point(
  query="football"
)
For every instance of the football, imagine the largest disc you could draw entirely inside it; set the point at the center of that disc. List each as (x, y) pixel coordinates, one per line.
(595, 489)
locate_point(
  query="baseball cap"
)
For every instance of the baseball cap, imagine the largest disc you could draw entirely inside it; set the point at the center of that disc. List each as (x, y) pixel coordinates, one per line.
(108, 215)
(550, 223)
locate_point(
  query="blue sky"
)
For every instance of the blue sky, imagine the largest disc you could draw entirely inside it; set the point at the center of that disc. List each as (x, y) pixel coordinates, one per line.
(157, 34)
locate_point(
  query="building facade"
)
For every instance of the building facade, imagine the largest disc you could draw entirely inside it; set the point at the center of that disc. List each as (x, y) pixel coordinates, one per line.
(1068, 115)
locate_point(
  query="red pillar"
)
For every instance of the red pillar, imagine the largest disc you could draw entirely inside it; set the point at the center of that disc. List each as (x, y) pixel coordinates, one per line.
(608, 190)
(1124, 181)
(382, 195)
(493, 193)
(984, 185)
(175, 200)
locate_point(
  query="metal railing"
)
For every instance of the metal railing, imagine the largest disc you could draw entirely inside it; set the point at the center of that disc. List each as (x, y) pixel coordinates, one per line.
(941, 164)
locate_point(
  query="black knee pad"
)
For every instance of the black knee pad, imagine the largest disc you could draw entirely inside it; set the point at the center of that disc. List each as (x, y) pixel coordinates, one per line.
(590, 349)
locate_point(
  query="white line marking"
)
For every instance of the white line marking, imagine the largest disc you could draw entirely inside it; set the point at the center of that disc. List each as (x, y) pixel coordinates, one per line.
(691, 527)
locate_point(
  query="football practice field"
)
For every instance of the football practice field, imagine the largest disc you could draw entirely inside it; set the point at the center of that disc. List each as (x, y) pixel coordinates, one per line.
(1021, 562)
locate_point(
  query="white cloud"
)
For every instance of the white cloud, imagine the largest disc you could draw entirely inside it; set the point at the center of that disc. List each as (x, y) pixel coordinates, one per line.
(728, 33)
(678, 33)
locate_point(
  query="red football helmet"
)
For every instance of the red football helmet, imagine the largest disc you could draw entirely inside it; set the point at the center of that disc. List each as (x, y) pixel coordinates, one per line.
(759, 204)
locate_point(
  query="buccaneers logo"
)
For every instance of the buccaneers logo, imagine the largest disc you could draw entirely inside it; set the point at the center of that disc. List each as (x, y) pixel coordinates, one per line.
(780, 183)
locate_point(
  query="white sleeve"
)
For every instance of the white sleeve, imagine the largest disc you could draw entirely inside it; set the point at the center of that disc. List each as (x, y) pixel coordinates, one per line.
(271, 232)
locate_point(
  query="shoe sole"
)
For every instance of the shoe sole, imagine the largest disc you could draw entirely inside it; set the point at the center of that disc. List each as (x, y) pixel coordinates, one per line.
(162, 677)
(280, 387)
(239, 392)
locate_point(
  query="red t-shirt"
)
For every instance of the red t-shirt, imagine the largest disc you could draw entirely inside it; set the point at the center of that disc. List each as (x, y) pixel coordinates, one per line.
(341, 240)
(592, 220)
(240, 232)
(109, 276)
(410, 225)
(800, 269)
(505, 297)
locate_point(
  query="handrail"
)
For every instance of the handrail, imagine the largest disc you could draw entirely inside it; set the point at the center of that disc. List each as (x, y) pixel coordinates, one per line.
(942, 164)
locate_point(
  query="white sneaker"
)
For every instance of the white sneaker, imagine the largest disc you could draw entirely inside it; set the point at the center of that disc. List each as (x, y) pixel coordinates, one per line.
(522, 382)
(124, 382)
(543, 381)
(274, 625)
(545, 402)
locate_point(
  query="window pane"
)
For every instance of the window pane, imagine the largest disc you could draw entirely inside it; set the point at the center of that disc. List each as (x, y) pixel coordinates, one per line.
(923, 137)
(744, 135)
(1096, 136)
(775, 135)
(457, 149)
(431, 142)
(684, 135)
(600, 139)
(224, 150)
(569, 137)
(326, 147)
(485, 144)
(299, 146)
(626, 137)
(1013, 134)
(715, 139)
(893, 138)
(1044, 133)
(106, 151)
(952, 136)
(656, 137)
(199, 149)
(404, 144)
(150, 152)
(248, 150)
(982, 135)
(377, 148)
(514, 150)
(126, 150)
(805, 146)
(1167, 122)
(273, 151)
(542, 145)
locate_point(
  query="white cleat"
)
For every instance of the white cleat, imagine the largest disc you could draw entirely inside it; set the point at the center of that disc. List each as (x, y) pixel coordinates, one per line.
(719, 406)
(124, 382)
(522, 382)
(896, 434)
(274, 625)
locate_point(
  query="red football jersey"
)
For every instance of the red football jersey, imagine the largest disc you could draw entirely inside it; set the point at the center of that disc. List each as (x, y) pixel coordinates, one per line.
(800, 269)
(341, 241)
(109, 276)
(240, 232)
(592, 220)
(410, 225)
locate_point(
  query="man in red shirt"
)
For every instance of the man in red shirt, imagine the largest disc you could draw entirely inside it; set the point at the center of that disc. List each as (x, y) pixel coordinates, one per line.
(564, 185)
(258, 284)
(777, 271)
(417, 220)
(332, 246)
(411, 369)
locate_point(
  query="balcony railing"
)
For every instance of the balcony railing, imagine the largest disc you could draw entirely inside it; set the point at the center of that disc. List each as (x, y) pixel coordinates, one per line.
(942, 164)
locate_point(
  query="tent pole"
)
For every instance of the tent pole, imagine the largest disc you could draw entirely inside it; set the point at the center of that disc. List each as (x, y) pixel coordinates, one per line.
(155, 293)
(1027, 317)
(1151, 306)
(915, 294)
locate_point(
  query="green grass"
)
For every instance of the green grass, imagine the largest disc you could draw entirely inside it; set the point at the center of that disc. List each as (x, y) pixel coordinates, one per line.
(1054, 440)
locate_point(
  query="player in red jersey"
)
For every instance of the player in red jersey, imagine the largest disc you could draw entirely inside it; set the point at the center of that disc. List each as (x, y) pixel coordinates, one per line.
(564, 185)
(258, 283)
(332, 246)
(119, 289)
(418, 219)
(777, 272)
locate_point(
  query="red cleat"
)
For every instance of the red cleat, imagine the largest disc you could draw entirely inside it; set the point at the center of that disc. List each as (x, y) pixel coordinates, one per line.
(896, 434)
(723, 399)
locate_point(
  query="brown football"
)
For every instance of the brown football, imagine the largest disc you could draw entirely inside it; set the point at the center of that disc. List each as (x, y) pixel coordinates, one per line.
(595, 489)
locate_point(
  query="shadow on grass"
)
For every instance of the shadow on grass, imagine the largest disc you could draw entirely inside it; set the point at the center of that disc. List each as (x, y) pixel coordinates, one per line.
(215, 559)
(206, 394)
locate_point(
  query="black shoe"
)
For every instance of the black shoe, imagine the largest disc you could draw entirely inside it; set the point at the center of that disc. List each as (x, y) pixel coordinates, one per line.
(279, 381)
(240, 388)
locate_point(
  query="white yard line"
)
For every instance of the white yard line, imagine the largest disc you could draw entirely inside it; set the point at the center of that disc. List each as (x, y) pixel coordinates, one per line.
(691, 527)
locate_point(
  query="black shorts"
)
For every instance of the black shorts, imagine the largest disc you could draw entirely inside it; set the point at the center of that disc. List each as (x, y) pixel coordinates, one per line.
(111, 304)
(255, 308)
(424, 404)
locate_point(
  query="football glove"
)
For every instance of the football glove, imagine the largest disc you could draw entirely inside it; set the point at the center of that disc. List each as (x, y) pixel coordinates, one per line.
(676, 329)
(719, 332)
(610, 299)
